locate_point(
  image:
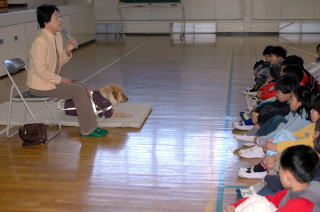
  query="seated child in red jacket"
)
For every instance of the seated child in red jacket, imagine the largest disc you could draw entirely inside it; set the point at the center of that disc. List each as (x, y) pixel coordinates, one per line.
(298, 166)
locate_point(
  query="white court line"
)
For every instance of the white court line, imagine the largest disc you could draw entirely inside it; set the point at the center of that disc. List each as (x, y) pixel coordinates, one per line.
(117, 60)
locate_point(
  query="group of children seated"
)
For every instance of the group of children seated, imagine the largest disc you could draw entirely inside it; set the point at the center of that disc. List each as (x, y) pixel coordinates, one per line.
(282, 121)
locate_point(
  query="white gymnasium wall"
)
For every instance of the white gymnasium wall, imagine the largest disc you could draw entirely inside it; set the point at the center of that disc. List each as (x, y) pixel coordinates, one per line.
(229, 15)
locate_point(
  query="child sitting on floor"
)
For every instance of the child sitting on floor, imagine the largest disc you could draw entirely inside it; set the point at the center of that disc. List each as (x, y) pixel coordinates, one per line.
(271, 182)
(261, 70)
(271, 125)
(284, 86)
(283, 140)
(299, 116)
(304, 136)
(298, 165)
(277, 55)
(308, 80)
(314, 67)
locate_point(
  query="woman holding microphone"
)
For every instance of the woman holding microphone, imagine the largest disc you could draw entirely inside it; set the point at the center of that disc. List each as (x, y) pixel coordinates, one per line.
(45, 59)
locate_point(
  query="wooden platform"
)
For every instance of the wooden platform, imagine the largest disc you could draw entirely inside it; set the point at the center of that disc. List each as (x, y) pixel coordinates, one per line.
(183, 159)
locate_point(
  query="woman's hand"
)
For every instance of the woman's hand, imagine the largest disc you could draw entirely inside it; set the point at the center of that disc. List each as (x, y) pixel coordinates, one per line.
(72, 44)
(66, 80)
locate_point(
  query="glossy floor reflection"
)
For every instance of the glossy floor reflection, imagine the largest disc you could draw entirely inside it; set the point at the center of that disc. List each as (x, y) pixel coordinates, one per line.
(184, 157)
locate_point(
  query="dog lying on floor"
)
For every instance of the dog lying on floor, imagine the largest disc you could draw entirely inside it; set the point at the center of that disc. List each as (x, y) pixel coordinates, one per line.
(104, 99)
(115, 94)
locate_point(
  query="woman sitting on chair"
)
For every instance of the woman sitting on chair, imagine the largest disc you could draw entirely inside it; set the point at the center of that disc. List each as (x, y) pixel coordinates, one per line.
(45, 59)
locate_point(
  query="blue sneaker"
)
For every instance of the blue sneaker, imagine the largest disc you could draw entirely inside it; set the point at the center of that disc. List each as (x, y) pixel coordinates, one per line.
(248, 122)
(239, 195)
(242, 125)
(245, 115)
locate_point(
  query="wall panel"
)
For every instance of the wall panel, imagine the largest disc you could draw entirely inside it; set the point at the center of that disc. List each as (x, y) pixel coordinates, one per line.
(297, 9)
(266, 9)
(253, 15)
(229, 9)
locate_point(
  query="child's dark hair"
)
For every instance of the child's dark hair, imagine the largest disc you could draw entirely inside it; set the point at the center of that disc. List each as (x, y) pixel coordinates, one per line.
(44, 14)
(318, 47)
(303, 95)
(293, 59)
(266, 50)
(301, 161)
(315, 102)
(294, 70)
(317, 139)
(278, 51)
(286, 84)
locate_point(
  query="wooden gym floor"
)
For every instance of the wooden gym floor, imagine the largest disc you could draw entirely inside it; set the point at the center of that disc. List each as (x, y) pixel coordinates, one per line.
(184, 157)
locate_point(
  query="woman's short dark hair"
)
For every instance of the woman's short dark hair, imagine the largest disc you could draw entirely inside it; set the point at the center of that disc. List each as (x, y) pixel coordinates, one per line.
(301, 161)
(44, 13)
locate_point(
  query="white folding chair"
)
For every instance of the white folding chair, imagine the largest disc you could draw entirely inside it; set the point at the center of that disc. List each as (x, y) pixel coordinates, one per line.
(13, 66)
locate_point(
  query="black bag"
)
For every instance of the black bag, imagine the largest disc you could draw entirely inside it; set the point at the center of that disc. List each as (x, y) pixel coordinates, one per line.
(33, 134)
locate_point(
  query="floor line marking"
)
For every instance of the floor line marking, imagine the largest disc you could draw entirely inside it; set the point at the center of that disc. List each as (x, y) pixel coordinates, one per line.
(117, 60)
(219, 200)
(219, 204)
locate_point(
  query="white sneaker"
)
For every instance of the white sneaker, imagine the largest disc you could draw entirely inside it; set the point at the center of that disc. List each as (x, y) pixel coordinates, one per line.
(246, 138)
(249, 88)
(254, 93)
(247, 192)
(248, 144)
(251, 101)
(250, 174)
(241, 126)
(254, 152)
(256, 148)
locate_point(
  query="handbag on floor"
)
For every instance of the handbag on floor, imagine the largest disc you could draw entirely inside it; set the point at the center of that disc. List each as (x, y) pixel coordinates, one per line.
(33, 134)
(102, 107)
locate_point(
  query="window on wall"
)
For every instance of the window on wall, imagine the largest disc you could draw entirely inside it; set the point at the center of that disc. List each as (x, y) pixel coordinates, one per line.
(299, 27)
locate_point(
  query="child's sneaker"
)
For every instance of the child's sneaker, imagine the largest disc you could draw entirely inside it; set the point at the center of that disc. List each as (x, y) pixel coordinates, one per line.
(242, 125)
(251, 101)
(251, 174)
(251, 190)
(246, 138)
(245, 115)
(249, 88)
(254, 152)
(248, 144)
(250, 93)
(247, 192)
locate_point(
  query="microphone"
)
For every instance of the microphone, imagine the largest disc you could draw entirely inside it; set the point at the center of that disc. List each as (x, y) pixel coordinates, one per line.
(67, 34)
